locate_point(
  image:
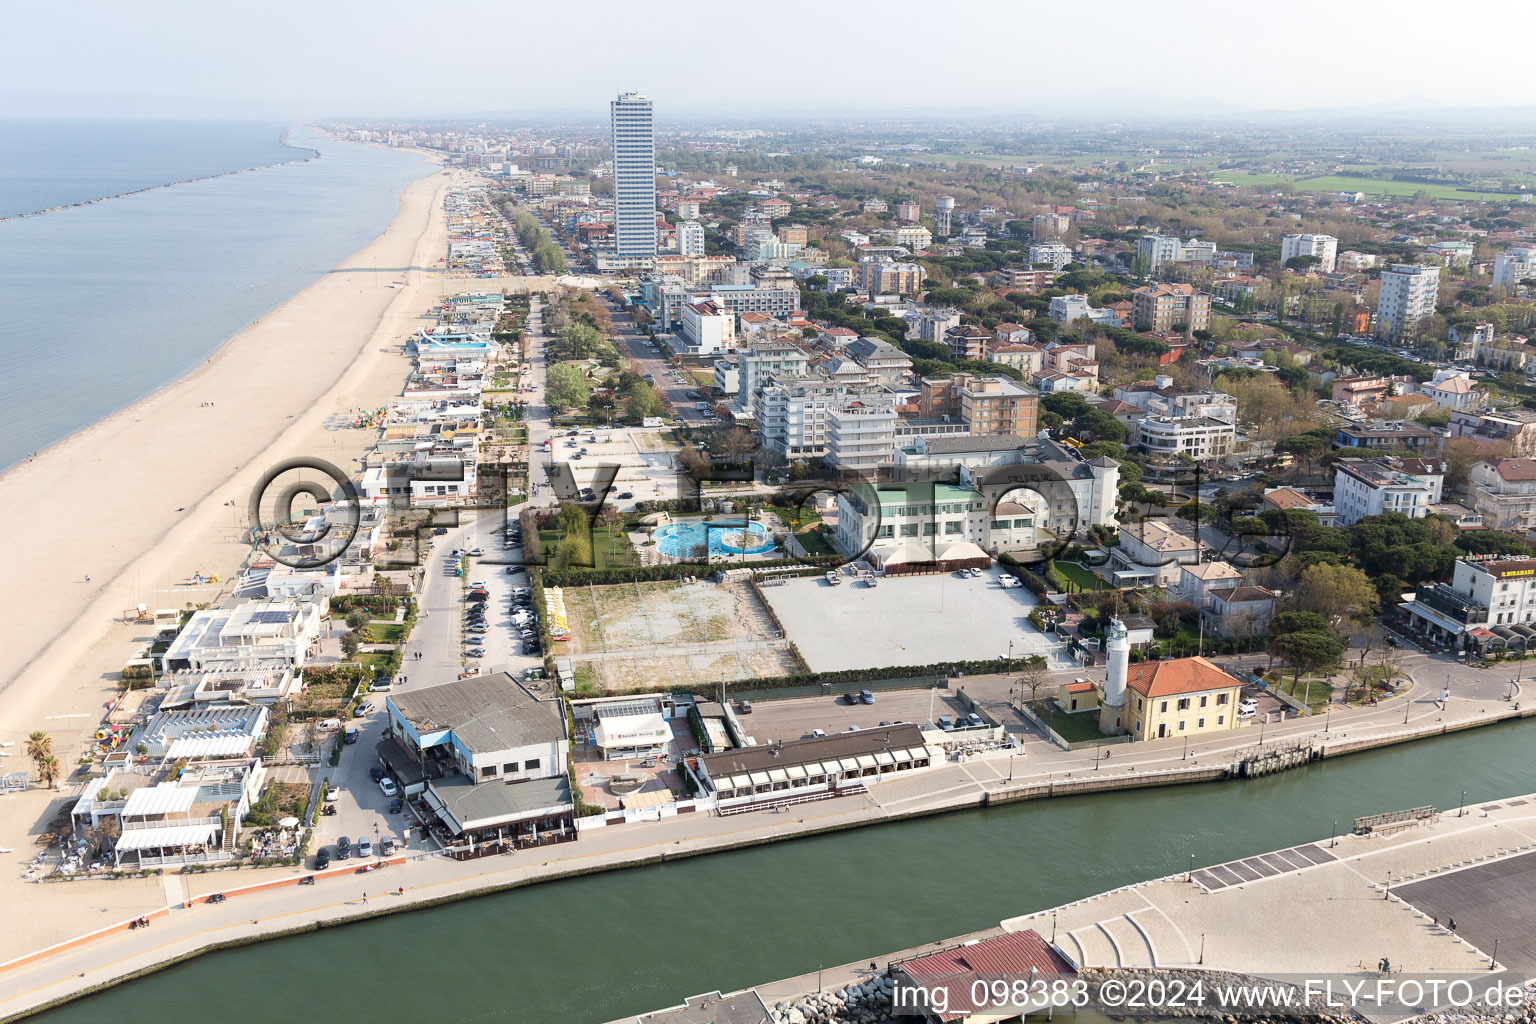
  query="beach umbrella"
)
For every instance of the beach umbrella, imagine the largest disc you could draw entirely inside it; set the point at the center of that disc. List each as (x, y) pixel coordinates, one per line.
(288, 822)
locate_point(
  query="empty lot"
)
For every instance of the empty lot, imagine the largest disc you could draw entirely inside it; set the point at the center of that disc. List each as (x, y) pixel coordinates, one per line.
(906, 620)
(633, 635)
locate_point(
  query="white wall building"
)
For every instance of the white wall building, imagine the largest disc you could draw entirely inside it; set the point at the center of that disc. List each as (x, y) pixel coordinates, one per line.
(1369, 487)
(1513, 265)
(1408, 294)
(634, 180)
(690, 238)
(1324, 247)
(1052, 254)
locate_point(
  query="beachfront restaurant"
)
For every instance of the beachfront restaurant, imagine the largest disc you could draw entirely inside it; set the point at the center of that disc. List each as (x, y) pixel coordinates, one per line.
(815, 768)
(475, 819)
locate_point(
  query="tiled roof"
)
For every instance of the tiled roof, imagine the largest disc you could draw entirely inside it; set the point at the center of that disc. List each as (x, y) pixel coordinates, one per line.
(1285, 497)
(1516, 469)
(1177, 676)
(1015, 955)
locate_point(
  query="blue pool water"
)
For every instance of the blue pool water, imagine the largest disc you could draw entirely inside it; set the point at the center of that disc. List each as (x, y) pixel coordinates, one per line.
(678, 540)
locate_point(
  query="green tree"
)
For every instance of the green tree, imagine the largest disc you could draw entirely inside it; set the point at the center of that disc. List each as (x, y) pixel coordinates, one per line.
(1342, 594)
(566, 387)
(349, 644)
(642, 401)
(1306, 652)
(356, 619)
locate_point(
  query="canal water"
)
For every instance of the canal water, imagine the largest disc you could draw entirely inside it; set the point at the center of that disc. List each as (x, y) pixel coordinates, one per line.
(597, 948)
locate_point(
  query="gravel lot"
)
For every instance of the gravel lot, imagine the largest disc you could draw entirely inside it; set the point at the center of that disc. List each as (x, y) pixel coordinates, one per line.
(906, 620)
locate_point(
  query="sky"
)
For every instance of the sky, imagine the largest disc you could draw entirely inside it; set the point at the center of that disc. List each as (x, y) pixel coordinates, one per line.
(1036, 60)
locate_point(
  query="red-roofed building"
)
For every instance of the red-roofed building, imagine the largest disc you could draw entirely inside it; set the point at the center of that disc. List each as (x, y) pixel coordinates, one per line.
(948, 978)
(1179, 697)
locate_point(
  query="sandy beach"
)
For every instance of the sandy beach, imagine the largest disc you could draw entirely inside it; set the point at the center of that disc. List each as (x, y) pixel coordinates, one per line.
(137, 502)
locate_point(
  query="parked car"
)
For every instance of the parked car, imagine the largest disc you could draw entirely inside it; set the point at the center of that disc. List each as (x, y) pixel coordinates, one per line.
(850, 698)
(946, 723)
(386, 847)
(332, 795)
(365, 708)
(626, 495)
(396, 805)
(343, 848)
(389, 787)
(365, 847)
(323, 858)
(476, 627)
(474, 652)
(475, 552)
(375, 774)
(975, 721)
(745, 707)
(865, 697)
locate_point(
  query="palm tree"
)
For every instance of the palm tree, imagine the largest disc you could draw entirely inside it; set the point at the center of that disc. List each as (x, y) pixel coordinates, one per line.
(39, 746)
(48, 770)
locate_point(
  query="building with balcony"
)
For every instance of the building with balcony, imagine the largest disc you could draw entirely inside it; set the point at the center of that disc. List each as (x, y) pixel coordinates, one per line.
(861, 435)
(1389, 435)
(1200, 438)
(1369, 487)
(1516, 427)
(1503, 492)
(282, 632)
(1490, 603)
(1161, 307)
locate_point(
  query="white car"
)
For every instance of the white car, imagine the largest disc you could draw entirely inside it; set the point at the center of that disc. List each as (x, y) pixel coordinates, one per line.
(1247, 707)
(388, 786)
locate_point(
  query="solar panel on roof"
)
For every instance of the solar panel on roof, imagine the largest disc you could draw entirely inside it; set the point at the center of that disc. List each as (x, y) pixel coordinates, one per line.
(272, 617)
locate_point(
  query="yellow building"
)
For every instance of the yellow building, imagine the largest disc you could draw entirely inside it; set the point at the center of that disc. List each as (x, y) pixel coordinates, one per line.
(1180, 697)
(1080, 695)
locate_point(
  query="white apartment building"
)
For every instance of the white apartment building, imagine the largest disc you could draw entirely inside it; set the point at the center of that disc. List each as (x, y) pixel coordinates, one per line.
(1198, 437)
(1408, 294)
(728, 375)
(707, 329)
(766, 361)
(1066, 308)
(1369, 487)
(1324, 247)
(1513, 265)
(861, 434)
(914, 237)
(634, 180)
(1160, 249)
(776, 300)
(1052, 254)
(791, 416)
(690, 238)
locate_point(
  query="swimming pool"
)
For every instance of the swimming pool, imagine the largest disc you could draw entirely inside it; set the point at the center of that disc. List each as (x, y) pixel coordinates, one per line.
(724, 537)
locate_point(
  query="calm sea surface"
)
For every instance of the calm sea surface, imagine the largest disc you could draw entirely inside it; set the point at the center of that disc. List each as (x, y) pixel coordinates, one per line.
(106, 302)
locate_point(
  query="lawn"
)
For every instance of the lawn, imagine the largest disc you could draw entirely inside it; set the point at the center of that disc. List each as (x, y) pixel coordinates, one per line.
(795, 518)
(1313, 690)
(611, 548)
(1080, 576)
(815, 542)
(386, 631)
(1082, 727)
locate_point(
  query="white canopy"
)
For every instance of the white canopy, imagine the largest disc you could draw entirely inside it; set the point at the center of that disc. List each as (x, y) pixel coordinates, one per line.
(166, 835)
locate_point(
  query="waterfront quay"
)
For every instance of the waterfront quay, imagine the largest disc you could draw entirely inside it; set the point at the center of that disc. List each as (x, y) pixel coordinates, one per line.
(277, 905)
(1337, 906)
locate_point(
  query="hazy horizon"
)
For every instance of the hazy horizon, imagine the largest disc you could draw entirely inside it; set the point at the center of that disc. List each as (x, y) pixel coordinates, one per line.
(405, 60)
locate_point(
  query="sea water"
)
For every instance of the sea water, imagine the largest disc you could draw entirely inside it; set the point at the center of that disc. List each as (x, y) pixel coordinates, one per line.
(105, 302)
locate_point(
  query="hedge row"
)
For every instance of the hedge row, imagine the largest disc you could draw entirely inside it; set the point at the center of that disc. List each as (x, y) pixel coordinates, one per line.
(377, 604)
(576, 576)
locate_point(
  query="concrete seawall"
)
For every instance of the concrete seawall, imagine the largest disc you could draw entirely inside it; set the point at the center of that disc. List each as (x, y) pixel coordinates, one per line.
(656, 852)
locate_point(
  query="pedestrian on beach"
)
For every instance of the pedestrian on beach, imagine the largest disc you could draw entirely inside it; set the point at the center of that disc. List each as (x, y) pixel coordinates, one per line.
(1452, 922)
(365, 898)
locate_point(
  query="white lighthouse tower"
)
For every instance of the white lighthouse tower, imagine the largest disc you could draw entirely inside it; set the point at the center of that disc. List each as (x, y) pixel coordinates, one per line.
(1117, 650)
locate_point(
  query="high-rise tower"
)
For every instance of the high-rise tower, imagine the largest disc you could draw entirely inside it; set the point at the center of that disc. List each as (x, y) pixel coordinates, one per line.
(634, 181)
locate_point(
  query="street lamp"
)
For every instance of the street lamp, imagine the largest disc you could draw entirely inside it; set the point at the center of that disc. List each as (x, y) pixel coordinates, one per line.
(1190, 874)
(1333, 836)
(1461, 810)
(1202, 948)
(1493, 961)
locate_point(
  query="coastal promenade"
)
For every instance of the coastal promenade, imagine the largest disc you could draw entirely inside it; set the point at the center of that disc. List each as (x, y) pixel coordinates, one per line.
(1333, 907)
(1041, 773)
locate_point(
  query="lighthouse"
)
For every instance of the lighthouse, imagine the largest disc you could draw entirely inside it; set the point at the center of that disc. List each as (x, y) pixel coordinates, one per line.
(1117, 649)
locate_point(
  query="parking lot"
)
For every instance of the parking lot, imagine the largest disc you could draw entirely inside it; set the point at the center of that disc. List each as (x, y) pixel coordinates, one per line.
(647, 463)
(779, 720)
(908, 620)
